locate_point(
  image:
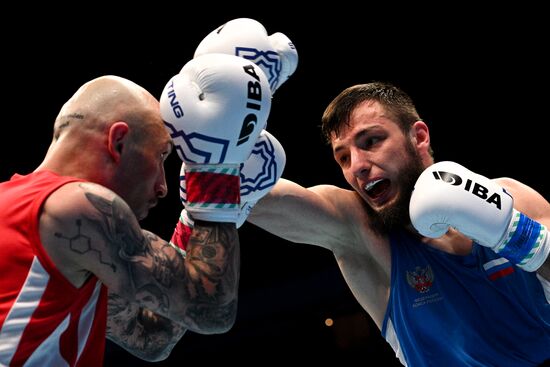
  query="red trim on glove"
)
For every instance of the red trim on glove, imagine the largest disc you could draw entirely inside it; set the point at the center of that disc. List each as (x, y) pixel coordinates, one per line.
(181, 235)
(207, 187)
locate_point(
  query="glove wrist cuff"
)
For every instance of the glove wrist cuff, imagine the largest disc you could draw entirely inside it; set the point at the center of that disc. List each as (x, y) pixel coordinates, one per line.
(213, 186)
(525, 243)
(182, 233)
(212, 214)
(213, 192)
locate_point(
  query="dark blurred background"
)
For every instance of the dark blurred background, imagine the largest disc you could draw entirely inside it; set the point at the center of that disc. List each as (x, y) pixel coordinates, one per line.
(478, 76)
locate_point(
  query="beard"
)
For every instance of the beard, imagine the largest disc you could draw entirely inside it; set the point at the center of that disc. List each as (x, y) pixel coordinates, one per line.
(396, 215)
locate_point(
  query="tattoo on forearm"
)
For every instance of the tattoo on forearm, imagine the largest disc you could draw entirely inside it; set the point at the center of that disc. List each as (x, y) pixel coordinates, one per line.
(210, 253)
(210, 317)
(139, 329)
(213, 272)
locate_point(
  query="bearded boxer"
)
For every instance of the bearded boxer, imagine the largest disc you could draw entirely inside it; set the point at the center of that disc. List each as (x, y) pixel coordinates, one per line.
(461, 281)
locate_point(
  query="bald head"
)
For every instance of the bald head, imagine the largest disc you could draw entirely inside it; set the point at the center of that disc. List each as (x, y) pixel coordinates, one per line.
(107, 120)
(111, 132)
(102, 101)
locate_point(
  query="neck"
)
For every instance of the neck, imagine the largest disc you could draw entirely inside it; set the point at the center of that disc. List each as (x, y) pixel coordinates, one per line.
(82, 161)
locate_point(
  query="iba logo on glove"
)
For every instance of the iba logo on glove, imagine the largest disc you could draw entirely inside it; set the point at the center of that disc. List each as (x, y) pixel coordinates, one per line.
(472, 187)
(216, 108)
(253, 103)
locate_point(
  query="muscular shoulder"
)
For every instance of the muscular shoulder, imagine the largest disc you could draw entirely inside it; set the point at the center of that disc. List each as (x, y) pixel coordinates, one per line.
(78, 198)
(76, 215)
(346, 201)
(350, 209)
(526, 199)
(520, 191)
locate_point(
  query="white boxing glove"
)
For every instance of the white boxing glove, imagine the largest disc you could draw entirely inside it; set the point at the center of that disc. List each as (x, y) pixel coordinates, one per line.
(247, 38)
(214, 110)
(447, 195)
(288, 54)
(258, 174)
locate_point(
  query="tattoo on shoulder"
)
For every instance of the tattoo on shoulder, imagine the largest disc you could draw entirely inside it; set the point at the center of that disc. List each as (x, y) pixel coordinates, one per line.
(115, 222)
(121, 226)
(81, 243)
(131, 246)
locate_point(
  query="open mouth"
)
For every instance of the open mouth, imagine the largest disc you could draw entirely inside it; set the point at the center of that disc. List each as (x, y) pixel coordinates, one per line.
(376, 189)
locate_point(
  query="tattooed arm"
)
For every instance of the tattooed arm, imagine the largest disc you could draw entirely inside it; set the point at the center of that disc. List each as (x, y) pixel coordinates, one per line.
(154, 294)
(142, 332)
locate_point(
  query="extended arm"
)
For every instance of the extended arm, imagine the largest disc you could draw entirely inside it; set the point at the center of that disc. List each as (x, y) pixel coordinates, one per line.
(320, 215)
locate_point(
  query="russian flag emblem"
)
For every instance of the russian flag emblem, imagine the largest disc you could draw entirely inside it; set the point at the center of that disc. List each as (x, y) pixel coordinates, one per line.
(498, 268)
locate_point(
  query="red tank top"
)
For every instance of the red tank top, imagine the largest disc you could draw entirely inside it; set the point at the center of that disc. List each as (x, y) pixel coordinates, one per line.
(44, 319)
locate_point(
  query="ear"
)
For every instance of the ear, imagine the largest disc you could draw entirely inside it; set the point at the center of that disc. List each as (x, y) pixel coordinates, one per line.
(420, 136)
(118, 133)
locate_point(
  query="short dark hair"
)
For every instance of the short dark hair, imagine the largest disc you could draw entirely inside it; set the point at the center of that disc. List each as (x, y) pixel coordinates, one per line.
(394, 100)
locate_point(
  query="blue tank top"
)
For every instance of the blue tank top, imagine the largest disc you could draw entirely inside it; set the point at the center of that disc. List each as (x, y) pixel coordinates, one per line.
(475, 310)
